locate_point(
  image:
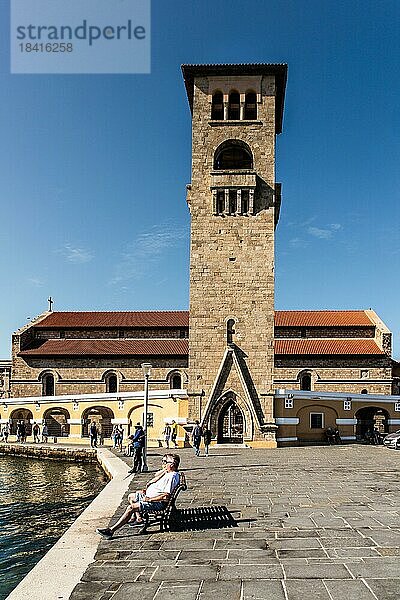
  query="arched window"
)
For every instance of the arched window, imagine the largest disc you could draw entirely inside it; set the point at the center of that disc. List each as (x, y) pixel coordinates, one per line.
(217, 107)
(233, 154)
(230, 330)
(250, 106)
(305, 382)
(176, 382)
(234, 106)
(364, 391)
(112, 384)
(48, 385)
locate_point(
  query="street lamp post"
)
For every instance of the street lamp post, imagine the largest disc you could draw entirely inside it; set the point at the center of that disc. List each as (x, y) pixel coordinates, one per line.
(146, 367)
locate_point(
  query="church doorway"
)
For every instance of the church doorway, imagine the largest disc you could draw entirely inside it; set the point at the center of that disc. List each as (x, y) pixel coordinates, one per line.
(370, 418)
(230, 424)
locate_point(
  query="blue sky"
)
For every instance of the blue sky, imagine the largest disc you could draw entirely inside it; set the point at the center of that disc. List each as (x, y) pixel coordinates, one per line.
(94, 167)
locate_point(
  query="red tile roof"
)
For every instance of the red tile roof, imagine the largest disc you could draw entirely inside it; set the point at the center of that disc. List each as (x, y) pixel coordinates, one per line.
(142, 347)
(61, 320)
(322, 318)
(180, 347)
(180, 318)
(329, 346)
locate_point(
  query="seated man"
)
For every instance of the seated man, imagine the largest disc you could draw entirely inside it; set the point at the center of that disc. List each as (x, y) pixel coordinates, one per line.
(152, 499)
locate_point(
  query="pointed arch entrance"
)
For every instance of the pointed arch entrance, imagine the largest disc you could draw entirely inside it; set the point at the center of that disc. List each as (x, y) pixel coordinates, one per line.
(229, 418)
(230, 424)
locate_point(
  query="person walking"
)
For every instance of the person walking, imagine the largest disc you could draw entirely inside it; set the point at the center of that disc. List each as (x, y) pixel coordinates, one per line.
(22, 430)
(207, 435)
(196, 437)
(114, 436)
(36, 433)
(119, 437)
(18, 431)
(138, 441)
(174, 433)
(93, 434)
(45, 433)
(6, 432)
(167, 434)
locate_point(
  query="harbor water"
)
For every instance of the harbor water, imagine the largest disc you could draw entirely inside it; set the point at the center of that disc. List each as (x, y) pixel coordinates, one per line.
(39, 500)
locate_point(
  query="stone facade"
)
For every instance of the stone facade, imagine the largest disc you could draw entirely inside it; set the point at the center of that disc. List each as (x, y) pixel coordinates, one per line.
(5, 374)
(232, 254)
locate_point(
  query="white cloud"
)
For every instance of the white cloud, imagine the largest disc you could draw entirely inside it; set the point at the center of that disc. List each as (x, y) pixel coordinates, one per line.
(323, 234)
(302, 224)
(298, 243)
(35, 281)
(148, 248)
(76, 255)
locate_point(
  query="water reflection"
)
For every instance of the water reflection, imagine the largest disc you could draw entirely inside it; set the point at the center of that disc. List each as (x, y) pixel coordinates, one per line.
(39, 499)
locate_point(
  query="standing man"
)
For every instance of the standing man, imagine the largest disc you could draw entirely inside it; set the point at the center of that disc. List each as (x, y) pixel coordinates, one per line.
(167, 434)
(207, 435)
(120, 437)
(22, 429)
(45, 433)
(93, 434)
(36, 433)
(6, 431)
(174, 432)
(196, 437)
(138, 445)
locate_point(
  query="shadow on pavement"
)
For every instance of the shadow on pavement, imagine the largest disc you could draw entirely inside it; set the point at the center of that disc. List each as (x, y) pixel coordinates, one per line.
(203, 517)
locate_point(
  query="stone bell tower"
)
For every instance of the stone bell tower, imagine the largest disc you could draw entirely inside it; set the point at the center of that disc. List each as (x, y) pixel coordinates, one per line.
(234, 204)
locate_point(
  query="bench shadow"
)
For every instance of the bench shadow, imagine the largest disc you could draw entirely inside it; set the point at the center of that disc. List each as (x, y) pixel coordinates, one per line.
(202, 517)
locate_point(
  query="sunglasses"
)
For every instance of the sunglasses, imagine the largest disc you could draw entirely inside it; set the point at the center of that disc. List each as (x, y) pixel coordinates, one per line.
(167, 462)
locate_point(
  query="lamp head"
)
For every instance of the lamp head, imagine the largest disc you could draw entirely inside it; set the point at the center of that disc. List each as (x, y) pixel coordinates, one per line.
(146, 368)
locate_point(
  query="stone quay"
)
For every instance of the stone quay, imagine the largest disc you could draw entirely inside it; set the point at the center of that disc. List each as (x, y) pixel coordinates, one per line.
(258, 524)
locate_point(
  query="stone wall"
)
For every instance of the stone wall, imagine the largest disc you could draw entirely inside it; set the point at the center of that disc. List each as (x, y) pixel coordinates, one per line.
(85, 375)
(346, 374)
(5, 374)
(87, 455)
(232, 257)
(105, 333)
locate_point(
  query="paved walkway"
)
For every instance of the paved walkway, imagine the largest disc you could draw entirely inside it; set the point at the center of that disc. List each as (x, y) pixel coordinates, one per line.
(285, 524)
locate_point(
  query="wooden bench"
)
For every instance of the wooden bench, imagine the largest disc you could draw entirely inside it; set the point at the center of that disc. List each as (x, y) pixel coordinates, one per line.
(166, 515)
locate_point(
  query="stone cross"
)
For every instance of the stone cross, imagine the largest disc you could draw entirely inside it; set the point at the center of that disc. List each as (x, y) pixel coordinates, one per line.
(51, 302)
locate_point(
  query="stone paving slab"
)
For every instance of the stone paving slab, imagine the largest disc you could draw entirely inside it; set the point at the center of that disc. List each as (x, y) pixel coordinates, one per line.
(320, 522)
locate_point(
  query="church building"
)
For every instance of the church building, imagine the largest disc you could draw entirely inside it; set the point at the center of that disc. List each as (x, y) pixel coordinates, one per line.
(254, 375)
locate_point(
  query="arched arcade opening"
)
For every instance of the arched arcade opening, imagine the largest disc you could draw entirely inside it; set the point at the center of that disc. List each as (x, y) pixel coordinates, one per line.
(370, 418)
(24, 415)
(102, 415)
(56, 420)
